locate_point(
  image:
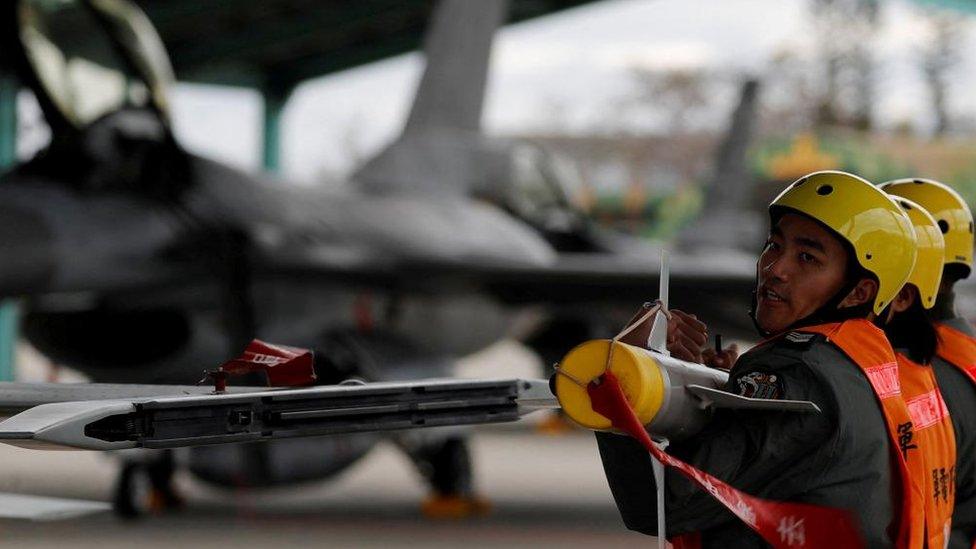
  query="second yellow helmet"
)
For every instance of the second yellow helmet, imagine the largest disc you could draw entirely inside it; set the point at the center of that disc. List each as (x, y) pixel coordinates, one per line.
(927, 273)
(948, 209)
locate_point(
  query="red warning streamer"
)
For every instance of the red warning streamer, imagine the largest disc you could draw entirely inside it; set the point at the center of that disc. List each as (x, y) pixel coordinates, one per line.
(783, 525)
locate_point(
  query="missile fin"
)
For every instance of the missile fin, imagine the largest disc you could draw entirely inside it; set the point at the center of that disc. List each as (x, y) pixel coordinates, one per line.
(658, 338)
(716, 398)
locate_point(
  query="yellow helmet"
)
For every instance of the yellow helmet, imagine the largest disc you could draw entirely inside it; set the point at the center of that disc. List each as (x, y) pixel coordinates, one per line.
(927, 273)
(876, 228)
(949, 210)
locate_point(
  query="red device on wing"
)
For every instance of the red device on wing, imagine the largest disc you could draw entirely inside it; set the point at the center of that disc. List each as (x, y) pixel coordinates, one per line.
(284, 366)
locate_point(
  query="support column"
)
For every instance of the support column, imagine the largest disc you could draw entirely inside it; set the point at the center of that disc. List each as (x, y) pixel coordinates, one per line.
(274, 103)
(8, 121)
(8, 155)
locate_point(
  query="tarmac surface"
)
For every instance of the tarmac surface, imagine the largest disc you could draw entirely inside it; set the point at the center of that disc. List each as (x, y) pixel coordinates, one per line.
(546, 491)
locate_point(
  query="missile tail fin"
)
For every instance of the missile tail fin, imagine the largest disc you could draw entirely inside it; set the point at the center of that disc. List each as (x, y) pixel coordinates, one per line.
(658, 338)
(722, 399)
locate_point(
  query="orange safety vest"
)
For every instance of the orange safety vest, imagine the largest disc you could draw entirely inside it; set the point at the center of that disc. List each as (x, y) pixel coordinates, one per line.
(866, 345)
(935, 460)
(958, 349)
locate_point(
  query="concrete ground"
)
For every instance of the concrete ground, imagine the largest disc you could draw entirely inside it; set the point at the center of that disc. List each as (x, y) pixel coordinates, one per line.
(546, 492)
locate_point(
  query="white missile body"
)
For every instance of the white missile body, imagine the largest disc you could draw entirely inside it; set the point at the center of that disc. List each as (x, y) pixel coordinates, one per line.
(673, 398)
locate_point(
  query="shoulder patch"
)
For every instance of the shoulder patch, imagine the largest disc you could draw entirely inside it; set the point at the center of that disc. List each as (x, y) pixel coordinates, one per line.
(760, 385)
(800, 337)
(799, 340)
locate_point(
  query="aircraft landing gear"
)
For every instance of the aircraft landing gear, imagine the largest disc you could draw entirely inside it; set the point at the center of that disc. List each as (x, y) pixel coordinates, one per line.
(446, 465)
(146, 487)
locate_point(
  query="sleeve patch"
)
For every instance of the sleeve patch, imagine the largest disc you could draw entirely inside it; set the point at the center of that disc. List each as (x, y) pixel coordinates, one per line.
(760, 385)
(799, 338)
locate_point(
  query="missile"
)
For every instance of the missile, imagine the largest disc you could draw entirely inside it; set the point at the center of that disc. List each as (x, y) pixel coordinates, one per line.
(671, 397)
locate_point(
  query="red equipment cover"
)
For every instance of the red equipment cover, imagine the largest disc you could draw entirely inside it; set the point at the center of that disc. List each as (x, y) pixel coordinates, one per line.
(284, 366)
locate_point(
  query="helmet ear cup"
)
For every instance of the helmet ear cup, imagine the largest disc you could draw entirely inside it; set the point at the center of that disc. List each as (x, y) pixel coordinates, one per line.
(954, 218)
(876, 228)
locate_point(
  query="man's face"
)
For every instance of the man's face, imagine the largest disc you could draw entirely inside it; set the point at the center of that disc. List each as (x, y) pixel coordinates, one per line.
(801, 267)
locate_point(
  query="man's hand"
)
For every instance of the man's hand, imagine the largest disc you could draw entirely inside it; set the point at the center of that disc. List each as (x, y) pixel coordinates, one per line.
(722, 361)
(686, 334)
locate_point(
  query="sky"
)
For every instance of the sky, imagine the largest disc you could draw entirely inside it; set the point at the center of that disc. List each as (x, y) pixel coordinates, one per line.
(567, 71)
(576, 60)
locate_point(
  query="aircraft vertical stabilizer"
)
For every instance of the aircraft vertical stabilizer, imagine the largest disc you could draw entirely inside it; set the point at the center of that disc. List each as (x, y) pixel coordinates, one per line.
(440, 148)
(457, 49)
(726, 222)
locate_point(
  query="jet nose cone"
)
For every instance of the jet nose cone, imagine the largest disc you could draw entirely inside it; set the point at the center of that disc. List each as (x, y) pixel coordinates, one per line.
(26, 252)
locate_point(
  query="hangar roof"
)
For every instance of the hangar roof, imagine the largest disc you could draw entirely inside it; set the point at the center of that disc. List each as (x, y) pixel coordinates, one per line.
(276, 44)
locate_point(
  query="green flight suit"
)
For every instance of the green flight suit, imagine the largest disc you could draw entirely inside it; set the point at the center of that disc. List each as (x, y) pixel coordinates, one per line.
(838, 458)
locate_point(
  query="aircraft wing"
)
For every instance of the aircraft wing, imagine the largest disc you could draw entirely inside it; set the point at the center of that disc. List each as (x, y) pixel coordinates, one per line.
(150, 418)
(715, 286)
(602, 277)
(570, 277)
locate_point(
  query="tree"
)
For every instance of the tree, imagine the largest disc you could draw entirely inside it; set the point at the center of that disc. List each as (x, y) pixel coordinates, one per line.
(791, 99)
(845, 31)
(678, 94)
(938, 59)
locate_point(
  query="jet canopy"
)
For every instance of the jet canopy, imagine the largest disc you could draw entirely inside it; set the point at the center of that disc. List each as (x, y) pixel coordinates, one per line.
(541, 185)
(93, 57)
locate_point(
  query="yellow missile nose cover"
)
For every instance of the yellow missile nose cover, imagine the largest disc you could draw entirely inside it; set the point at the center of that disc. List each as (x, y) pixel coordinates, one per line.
(638, 372)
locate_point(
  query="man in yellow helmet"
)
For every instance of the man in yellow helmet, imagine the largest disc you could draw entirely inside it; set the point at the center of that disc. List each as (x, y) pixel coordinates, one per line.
(838, 252)
(956, 351)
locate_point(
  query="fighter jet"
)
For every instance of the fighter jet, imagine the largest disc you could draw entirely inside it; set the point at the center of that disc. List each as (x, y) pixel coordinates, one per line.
(138, 261)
